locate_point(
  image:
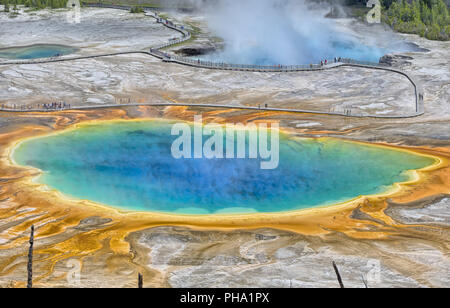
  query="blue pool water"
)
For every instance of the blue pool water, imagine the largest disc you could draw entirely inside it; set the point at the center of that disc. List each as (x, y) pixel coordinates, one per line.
(129, 165)
(261, 55)
(36, 51)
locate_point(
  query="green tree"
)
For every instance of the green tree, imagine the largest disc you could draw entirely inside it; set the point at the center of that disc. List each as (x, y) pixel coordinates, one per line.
(428, 18)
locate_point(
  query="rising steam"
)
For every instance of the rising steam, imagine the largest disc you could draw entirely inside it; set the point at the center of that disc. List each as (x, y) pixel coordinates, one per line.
(280, 32)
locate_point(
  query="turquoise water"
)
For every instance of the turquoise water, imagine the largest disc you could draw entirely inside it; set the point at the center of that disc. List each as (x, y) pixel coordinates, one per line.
(129, 165)
(36, 51)
(261, 55)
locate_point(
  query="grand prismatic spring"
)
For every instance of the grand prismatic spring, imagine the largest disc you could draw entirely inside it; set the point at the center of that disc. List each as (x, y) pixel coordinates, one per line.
(129, 165)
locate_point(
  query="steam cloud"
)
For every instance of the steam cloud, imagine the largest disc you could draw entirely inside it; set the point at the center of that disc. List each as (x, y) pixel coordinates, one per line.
(280, 32)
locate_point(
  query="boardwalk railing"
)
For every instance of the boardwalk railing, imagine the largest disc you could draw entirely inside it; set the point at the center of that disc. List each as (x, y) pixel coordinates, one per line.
(247, 67)
(352, 61)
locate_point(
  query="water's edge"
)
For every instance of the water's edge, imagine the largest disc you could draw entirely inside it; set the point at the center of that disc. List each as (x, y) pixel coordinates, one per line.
(412, 176)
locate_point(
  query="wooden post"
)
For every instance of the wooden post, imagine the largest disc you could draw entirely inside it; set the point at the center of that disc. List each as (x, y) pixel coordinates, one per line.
(338, 275)
(140, 281)
(30, 260)
(364, 281)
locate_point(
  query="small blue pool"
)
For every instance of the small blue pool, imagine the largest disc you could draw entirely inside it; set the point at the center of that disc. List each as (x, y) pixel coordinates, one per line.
(36, 51)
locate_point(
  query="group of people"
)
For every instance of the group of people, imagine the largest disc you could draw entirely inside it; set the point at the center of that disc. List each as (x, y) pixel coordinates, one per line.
(325, 62)
(163, 54)
(55, 105)
(49, 106)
